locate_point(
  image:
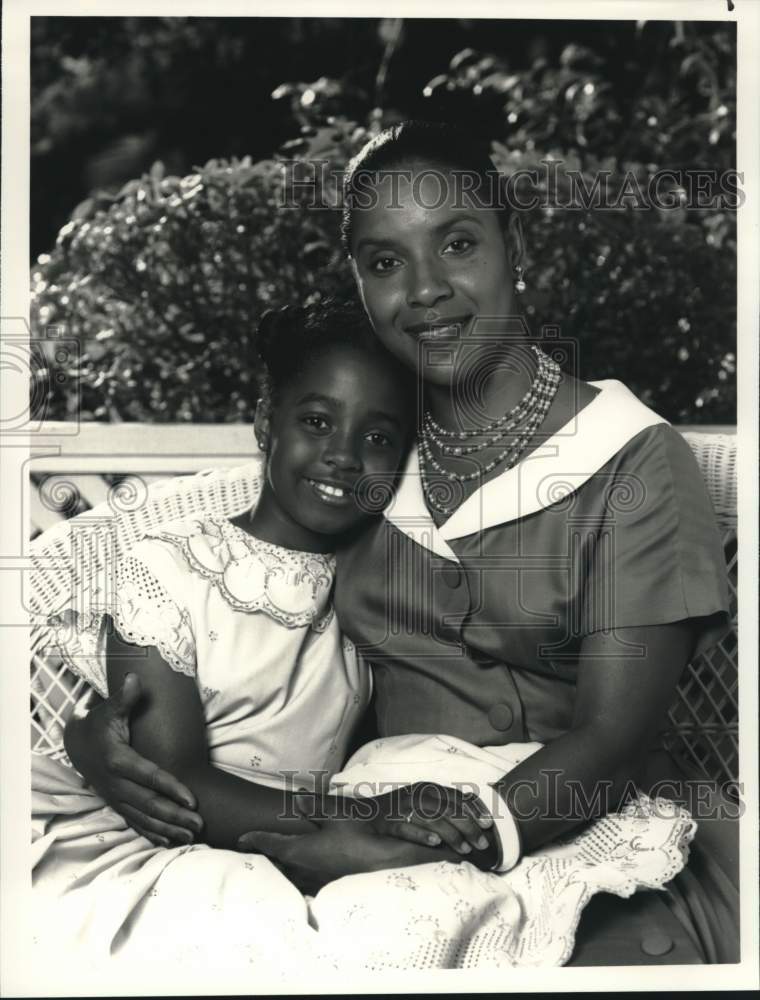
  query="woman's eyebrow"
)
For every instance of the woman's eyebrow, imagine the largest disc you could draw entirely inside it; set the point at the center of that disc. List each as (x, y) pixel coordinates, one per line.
(393, 243)
(456, 219)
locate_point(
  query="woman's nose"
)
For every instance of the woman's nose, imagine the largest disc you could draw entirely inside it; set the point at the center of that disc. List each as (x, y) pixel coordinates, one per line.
(428, 285)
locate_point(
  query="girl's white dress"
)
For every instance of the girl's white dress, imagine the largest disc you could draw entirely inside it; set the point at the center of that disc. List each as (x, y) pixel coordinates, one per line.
(281, 692)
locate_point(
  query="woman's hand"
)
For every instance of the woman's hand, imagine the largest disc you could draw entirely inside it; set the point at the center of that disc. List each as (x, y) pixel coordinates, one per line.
(423, 813)
(150, 799)
(340, 847)
(428, 814)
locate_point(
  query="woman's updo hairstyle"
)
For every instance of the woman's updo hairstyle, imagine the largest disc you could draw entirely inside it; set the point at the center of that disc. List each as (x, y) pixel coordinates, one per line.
(451, 148)
(289, 340)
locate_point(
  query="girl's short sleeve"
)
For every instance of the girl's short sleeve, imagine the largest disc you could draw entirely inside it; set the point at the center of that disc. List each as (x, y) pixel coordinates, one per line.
(658, 558)
(147, 601)
(150, 604)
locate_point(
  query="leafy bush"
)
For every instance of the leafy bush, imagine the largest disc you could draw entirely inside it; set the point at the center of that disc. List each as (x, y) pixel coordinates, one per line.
(164, 284)
(164, 281)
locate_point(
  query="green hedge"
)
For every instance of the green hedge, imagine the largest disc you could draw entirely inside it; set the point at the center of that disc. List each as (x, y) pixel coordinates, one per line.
(163, 282)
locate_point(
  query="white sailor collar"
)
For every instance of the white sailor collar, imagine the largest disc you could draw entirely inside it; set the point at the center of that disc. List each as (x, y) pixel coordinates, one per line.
(557, 468)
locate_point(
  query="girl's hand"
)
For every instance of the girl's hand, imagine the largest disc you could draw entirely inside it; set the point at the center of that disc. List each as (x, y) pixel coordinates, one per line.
(150, 799)
(430, 815)
(340, 847)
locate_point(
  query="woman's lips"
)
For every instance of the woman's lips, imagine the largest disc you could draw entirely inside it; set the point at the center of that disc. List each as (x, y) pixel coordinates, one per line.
(444, 328)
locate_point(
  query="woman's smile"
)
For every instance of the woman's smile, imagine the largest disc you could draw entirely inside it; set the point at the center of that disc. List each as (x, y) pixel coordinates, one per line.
(443, 327)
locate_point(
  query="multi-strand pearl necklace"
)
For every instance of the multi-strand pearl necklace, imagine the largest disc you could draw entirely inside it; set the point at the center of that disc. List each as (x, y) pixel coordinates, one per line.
(530, 412)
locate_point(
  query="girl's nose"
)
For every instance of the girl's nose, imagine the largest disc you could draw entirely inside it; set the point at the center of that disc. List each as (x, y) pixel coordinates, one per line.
(428, 286)
(342, 453)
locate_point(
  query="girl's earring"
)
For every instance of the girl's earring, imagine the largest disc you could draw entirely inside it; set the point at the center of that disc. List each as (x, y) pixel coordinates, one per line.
(519, 284)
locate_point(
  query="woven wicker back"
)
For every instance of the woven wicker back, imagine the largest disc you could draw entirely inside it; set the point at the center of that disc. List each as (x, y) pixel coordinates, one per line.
(705, 715)
(73, 563)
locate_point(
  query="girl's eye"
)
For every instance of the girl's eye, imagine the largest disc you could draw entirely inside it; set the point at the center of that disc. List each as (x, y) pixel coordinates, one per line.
(379, 440)
(459, 245)
(316, 421)
(382, 264)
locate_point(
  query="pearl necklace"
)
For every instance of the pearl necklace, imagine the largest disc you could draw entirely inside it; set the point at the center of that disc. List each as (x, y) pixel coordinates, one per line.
(500, 427)
(532, 408)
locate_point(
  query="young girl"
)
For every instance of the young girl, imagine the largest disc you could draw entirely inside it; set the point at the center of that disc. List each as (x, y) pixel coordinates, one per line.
(248, 689)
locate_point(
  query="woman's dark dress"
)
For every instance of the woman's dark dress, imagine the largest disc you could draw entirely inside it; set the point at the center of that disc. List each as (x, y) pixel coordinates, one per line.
(473, 628)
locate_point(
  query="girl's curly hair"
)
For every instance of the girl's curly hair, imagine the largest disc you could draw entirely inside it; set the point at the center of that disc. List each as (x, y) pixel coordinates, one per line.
(290, 339)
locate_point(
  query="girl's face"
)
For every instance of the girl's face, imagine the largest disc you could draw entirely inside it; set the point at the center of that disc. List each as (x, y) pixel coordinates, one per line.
(426, 274)
(333, 429)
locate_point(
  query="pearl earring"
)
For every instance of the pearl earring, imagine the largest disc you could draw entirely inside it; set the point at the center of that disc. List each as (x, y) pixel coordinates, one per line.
(520, 285)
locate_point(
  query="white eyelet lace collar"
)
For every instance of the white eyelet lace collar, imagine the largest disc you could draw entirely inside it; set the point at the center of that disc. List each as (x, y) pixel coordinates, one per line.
(292, 587)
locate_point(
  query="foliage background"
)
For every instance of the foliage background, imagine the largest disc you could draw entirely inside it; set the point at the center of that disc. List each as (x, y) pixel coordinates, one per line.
(162, 267)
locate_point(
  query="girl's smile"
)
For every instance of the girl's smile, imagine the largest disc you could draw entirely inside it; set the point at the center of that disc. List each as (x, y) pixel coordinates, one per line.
(332, 493)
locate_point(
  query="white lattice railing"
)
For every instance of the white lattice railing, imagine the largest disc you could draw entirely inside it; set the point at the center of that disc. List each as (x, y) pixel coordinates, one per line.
(73, 468)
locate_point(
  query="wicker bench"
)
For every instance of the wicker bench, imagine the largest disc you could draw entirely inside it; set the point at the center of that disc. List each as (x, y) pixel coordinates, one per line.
(76, 558)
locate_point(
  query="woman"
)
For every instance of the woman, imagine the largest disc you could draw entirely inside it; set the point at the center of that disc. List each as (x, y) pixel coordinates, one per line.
(548, 567)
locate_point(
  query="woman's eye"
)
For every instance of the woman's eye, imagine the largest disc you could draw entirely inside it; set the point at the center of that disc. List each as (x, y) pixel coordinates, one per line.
(460, 245)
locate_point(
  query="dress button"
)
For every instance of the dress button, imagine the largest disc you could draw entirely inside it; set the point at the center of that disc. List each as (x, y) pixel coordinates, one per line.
(656, 944)
(451, 576)
(501, 717)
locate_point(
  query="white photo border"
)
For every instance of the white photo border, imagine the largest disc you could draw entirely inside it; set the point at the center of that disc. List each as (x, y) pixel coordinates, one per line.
(17, 976)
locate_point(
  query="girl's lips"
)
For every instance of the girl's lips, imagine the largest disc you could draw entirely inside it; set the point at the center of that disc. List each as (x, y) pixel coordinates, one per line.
(332, 495)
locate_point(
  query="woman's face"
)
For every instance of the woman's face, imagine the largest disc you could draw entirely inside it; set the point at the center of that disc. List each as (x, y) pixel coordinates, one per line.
(434, 270)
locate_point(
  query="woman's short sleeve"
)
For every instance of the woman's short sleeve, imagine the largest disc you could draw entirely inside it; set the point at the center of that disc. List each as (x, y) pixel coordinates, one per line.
(150, 606)
(658, 558)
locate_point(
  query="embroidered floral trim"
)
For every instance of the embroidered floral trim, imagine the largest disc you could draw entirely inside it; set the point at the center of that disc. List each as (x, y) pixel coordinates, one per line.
(145, 615)
(643, 846)
(76, 642)
(251, 575)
